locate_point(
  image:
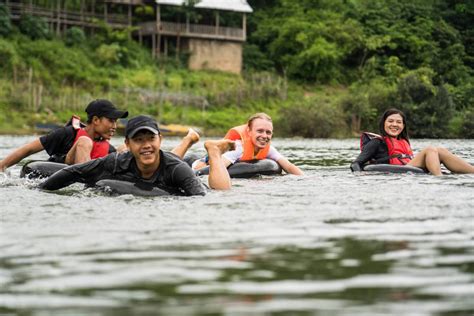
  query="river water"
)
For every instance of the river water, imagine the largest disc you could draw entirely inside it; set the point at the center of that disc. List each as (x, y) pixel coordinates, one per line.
(328, 243)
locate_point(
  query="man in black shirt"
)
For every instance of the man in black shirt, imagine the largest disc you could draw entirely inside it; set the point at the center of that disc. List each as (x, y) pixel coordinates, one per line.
(75, 143)
(145, 162)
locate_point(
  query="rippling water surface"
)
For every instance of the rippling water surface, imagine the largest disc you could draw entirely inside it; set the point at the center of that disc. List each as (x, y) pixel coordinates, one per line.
(328, 243)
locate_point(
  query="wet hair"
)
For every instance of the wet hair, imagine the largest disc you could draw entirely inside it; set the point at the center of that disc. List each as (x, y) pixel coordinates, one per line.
(383, 118)
(261, 115)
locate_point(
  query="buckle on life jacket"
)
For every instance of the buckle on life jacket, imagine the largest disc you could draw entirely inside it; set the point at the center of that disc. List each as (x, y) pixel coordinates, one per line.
(400, 157)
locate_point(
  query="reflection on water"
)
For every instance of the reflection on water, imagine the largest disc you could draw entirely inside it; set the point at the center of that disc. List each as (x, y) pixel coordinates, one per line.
(328, 243)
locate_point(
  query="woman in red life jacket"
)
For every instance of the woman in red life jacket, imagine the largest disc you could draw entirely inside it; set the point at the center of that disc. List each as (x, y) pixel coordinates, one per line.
(252, 142)
(394, 147)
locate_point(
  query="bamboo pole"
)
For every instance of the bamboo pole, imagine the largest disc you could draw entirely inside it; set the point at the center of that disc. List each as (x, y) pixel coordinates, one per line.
(82, 10)
(58, 17)
(30, 80)
(158, 31)
(40, 96)
(153, 45)
(93, 15)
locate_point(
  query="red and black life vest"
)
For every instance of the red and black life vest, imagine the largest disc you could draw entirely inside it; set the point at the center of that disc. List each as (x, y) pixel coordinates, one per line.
(399, 150)
(100, 148)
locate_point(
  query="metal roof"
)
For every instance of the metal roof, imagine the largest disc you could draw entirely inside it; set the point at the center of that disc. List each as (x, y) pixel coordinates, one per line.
(225, 5)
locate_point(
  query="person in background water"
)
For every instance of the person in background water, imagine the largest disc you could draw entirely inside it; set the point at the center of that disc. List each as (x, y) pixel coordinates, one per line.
(394, 147)
(145, 162)
(75, 143)
(253, 142)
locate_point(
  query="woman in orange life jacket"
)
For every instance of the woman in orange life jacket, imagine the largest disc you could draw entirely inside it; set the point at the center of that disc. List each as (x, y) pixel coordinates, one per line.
(394, 148)
(252, 142)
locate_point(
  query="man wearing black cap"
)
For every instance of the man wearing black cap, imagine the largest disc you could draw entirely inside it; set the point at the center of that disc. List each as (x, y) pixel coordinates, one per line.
(75, 143)
(145, 162)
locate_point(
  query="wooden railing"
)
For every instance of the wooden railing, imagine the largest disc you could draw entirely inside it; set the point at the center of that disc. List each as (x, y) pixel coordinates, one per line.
(66, 16)
(88, 19)
(193, 30)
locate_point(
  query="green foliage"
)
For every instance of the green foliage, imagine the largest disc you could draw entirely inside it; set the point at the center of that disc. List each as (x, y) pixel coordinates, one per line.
(109, 54)
(74, 36)
(414, 55)
(429, 108)
(53, 62)
(463, 95)
(314, 117)
(365, 101)
(5, 23)
(34, 27)
(254, 59)
(140, 78)
(347, 41)
(308, 42)
(466, 129)
(8, 55)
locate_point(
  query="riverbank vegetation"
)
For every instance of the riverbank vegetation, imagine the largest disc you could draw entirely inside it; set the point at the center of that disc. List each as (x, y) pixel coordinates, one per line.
(323, 68)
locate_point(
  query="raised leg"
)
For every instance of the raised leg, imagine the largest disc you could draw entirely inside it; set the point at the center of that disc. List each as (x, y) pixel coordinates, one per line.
(432, 157)
(219, 178)
(454, 163)
(190, 139)
(80, 151)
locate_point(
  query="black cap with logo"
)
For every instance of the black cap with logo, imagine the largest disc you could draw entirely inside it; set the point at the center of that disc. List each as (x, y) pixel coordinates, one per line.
(141, 122)
(104, 108)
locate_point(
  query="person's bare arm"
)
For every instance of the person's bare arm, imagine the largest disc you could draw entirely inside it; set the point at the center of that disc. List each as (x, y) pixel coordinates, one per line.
(289, 167)
(20, 153)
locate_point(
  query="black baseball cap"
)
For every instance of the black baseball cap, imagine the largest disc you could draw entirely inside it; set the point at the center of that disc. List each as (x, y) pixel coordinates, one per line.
(141, 122)
(104, 108)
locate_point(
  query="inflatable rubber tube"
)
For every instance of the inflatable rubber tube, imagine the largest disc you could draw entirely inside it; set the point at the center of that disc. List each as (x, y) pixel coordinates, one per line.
(248, 169)
(393, 168)
(117, 187)
(40, 169)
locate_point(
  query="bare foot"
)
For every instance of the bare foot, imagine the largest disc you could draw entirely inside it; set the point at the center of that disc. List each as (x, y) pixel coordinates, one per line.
(121, 148)
(193, 136)
(221, 146)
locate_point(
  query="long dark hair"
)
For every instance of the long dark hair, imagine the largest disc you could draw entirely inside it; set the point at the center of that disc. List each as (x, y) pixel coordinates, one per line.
(387, 113)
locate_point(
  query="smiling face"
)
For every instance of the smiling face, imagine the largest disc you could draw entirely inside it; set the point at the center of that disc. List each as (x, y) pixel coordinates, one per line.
(394, 125)
(145, 147)
(261, 132)
(104, 127)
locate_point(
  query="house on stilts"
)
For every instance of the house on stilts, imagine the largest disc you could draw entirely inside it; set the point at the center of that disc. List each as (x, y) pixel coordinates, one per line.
(209, 33)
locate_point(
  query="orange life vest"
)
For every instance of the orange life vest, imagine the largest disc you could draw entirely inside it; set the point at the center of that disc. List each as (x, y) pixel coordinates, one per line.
(100, 148)
(399, 151)
(240, 133)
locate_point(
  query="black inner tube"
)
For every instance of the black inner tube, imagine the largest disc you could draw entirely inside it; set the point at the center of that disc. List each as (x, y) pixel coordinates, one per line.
(40, 169)
(44, 169)
(248, 169)
(393, 168)
(117, 187)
